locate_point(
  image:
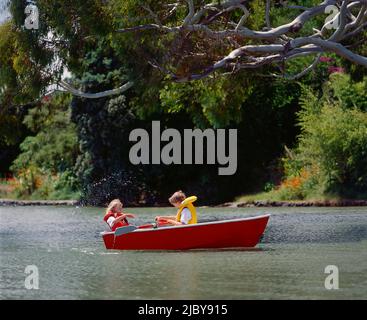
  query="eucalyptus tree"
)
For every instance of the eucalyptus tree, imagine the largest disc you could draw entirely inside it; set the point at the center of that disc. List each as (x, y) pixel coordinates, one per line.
(187, 40)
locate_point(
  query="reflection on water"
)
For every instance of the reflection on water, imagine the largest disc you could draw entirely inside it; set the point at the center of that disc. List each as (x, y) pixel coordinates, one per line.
(289, 263)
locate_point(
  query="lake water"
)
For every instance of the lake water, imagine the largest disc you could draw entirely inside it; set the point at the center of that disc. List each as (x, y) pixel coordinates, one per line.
(289, 263)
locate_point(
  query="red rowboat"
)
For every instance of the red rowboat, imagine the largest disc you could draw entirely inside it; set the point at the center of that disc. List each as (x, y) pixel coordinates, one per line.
(236, 233)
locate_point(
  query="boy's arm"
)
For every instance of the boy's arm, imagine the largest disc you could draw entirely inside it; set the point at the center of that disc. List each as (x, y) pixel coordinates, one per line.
(172, 222)
(165, 217)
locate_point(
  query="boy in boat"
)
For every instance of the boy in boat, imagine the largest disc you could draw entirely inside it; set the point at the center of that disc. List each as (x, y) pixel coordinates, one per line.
(186, 213)
(114, 216)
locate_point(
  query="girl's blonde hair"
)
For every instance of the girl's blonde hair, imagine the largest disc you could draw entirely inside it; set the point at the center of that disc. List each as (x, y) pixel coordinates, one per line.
(178, 196)
(113, 204)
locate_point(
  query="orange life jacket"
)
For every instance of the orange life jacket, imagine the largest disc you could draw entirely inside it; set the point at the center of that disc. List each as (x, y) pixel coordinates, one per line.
(122, 223)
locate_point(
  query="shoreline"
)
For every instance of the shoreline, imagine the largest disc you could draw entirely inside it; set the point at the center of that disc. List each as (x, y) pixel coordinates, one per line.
(300, 203)
(15, 202)
(240, 204)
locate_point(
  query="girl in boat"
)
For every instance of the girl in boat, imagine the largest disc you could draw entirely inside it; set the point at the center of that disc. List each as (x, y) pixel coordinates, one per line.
(114, 216)
(186, 213)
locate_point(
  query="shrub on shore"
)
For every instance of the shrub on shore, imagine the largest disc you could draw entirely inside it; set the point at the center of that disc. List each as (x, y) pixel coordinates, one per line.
(331, 156)
(45, 167)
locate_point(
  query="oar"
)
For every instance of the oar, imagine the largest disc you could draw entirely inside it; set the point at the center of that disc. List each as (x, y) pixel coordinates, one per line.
(123, 230)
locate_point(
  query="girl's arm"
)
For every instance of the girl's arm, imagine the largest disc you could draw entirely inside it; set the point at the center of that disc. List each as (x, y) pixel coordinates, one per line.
(123, 216)
(129, 215)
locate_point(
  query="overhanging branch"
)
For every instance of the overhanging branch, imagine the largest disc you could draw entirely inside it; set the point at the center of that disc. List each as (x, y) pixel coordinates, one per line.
(67, 87)
(206, 25)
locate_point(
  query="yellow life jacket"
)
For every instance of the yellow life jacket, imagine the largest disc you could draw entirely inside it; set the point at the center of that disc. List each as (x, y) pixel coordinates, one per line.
(187, 203)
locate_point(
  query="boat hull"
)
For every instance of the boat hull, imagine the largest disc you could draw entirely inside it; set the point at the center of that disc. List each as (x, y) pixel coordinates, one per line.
(238, 233)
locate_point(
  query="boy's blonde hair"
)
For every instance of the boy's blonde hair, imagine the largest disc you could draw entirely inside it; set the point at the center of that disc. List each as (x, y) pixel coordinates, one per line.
(178, 196)
(113, 204)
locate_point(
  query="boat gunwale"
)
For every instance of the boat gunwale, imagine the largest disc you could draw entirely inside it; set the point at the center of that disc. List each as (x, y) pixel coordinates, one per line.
(193, 225)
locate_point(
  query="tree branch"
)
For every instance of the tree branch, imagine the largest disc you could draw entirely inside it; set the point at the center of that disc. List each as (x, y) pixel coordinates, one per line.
(98, 95)
(241, 47)
(267, 14)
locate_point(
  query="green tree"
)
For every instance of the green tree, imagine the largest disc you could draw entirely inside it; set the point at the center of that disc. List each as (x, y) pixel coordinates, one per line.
(332, 146)
(45, 166)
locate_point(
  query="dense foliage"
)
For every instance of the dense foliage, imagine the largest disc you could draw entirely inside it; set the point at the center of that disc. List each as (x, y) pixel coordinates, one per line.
(45, 165)
(331, 156)
(69, 146)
